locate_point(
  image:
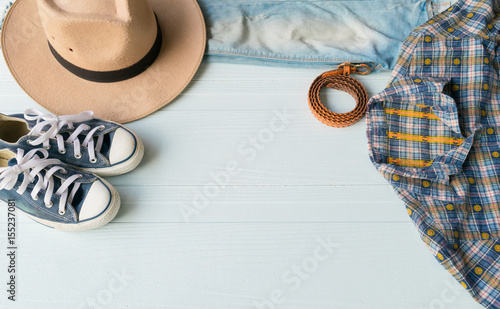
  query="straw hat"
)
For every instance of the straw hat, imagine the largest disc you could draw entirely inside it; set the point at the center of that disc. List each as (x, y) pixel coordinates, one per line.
(122, 59)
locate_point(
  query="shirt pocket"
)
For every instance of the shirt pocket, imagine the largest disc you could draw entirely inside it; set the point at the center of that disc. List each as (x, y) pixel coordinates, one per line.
(415, 138)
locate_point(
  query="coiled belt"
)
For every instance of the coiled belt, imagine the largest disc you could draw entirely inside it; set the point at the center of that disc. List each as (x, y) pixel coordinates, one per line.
(339, 79)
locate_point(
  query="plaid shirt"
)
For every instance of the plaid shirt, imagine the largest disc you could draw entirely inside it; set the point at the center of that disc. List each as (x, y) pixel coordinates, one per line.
(434, 134)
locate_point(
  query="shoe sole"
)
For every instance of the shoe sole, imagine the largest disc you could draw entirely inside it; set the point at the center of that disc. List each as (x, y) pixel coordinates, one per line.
(101, 220)
(123, 167)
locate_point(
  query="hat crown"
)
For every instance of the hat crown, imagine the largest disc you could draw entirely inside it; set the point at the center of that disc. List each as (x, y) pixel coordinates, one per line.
(113, 9)
(99, 35)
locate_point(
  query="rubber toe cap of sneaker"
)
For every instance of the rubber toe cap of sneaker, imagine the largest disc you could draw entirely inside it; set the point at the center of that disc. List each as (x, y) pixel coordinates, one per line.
(96, 201)
(122, 146)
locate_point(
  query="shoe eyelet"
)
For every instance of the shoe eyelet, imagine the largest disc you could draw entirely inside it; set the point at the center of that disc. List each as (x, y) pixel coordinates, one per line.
(78, 156)
(93, 161)
(62, 212)
(46, 147)
(49, 205)
(64, 172)
(62, 151)
(101, 128)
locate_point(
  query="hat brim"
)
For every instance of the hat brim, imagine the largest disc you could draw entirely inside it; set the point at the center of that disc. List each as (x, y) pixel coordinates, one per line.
(30, 61)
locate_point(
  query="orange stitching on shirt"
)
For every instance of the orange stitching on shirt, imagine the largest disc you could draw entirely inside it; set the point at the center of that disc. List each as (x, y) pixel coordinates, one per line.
(426, 139)
(407, 113)
(409, 163)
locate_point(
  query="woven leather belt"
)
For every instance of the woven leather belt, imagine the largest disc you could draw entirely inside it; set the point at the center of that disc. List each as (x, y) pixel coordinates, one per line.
(339, 79)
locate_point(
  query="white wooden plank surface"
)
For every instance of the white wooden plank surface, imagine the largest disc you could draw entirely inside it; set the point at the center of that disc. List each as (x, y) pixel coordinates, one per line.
(372, 265)
(248, 204)
(309, 182)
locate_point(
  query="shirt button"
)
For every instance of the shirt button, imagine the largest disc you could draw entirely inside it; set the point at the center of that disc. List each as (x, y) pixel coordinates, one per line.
(483, 113)
(489, 131)
(496, 154)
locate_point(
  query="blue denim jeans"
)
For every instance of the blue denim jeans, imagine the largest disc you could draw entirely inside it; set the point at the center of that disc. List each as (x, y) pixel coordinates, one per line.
(309, 33)
(312, 33)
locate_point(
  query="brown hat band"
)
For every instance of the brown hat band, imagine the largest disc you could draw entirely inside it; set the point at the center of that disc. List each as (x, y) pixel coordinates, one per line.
(117, 75)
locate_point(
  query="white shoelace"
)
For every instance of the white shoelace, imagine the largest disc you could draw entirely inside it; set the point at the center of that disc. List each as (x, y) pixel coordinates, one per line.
(30, 165)
(56, 123)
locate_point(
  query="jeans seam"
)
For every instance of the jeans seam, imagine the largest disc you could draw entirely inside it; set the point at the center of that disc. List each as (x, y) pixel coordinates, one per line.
(312, 60)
